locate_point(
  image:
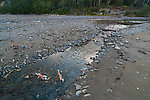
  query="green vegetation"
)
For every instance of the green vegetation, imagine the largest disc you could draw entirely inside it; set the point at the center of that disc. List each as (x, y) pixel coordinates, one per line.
(145, 11)
(75, 7)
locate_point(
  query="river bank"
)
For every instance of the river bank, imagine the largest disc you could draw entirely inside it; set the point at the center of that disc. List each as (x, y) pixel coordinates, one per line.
(33, 49)
(121, 73)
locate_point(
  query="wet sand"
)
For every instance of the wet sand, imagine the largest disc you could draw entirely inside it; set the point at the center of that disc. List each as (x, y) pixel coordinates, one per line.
(126, 80)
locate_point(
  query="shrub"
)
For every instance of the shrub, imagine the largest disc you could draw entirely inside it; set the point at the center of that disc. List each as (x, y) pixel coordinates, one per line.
(144, 12)
(61, 11)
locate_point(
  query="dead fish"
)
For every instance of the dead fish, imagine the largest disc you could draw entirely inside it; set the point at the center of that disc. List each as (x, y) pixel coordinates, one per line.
(60, 76)
(43, 77)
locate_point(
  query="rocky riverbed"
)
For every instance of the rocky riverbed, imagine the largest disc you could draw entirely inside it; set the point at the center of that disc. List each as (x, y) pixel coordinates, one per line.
(122, 72)
(33, 49)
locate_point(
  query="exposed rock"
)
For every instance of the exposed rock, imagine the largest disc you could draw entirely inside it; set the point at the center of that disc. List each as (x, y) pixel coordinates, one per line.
(96, 61)
(121, 44)
(117, 48)
(142, 51)
(78, 93)
(118, 62)
(85, 87)
(126, 42)
(87, 95)
(87, 63)
(84, 91)
(95, 69)
(110, 89)
(78, 87)
(110, 43)
(69, 95)
(27, 76)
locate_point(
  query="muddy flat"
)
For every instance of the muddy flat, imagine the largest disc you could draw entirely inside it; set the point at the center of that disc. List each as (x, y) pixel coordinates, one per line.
(127, 81)
(120, 74)
(42, 57)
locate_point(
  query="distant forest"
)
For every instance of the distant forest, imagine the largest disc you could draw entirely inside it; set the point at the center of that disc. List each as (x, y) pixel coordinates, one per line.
(65, 6)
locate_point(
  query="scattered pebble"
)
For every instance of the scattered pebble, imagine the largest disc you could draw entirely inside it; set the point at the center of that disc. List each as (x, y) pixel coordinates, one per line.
(142, 51)
(137, 88)
(118, 62)
(27, 76)
(142, 64)
(145, 78)
(110, 89)
(117, 48)
(78, 87)
(85, 87)
(87, 95)
(78, 93)
(84, 91)
(137, 39)
(126, 42)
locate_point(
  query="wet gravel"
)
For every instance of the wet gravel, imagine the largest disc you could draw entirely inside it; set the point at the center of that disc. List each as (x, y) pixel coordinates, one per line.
(23, 40)
(28, 39)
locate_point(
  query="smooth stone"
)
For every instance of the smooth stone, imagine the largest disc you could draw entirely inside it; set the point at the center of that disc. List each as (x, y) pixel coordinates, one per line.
(110, 43)
(117, 48)
(126, 41)
(78, 93)
(84, 91)
(78, 87)
(121, 44)
(87, 95)
(85, 86)
(118, 62)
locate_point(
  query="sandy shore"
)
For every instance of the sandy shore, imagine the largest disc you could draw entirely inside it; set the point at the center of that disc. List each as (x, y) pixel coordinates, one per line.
(121, 74)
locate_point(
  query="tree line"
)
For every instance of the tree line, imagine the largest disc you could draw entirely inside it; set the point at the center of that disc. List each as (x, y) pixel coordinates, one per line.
(63, 6)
